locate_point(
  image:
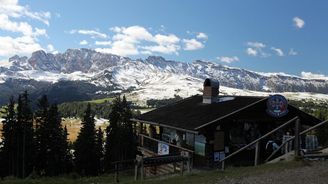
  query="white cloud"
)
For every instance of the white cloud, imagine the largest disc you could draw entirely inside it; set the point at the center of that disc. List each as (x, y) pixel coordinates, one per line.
(251, 51)
(92, 33)
(11, 8)
(83, 42)
(310, 75)
(134, 40)
(226, 59)
(192, 44)
(51, 49)
(103, 43)
(166, 44)
(278, 51)
(298, 22)
(22, 37)
(257, 45)
(20, 45)
(202, 36)
(256, 49)
(292, 52)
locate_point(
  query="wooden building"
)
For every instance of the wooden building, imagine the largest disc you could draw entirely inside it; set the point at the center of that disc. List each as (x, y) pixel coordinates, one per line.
(209, 127)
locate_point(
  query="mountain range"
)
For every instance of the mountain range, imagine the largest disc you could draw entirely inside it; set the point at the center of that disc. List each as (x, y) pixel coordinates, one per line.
(84, 74)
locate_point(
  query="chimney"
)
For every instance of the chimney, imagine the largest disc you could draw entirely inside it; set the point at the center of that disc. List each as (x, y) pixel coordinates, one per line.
(210, 91)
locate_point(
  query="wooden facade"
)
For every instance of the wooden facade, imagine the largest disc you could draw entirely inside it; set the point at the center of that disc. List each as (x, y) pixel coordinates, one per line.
(210, 131)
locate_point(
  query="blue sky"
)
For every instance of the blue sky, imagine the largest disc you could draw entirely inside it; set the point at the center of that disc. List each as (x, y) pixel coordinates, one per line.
(266, 36)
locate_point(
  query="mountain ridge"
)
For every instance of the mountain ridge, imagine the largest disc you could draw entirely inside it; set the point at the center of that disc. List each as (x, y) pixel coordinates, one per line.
(105, 73)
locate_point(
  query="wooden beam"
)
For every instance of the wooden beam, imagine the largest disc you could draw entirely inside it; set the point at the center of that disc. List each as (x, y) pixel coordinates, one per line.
(293, 137)
(181, 148)
(259, 139)
(257, 153)
(297, 138)
(163, 125)
(222, 117)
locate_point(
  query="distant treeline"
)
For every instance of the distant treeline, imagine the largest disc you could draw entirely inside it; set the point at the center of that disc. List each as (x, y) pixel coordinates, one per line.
(34, 143)
(154, 103)
(76, 109)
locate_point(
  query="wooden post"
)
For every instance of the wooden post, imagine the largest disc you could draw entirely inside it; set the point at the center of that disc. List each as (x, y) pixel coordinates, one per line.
(257, 153)
(222, 165)
(116, 172)
(189, 163)
(142, 171)
(136, 169)
(182, 168)
(297, 138)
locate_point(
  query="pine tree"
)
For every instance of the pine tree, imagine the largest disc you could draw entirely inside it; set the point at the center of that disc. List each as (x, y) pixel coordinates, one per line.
(112, 145)
(9, 135)
(68, 166)
(41, 119)
(56, 150)
(51, 139)
(85, 145)
(25, 145)
(99, 150)
(120, 140)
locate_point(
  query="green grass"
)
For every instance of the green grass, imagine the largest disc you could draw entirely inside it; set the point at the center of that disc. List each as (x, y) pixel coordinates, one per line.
(194, 178)
(101, 100)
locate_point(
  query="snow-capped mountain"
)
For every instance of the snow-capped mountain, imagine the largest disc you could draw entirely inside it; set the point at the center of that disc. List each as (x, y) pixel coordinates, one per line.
(87, 74)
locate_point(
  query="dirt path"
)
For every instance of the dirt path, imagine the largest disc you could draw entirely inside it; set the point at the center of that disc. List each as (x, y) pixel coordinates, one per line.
(314, 173)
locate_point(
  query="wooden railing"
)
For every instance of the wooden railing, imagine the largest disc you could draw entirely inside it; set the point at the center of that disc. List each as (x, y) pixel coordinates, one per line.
(293, 137)
(152, 145)
(257, 142)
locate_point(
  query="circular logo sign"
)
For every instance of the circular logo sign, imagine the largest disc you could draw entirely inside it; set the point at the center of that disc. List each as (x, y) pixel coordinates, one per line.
(277, 106)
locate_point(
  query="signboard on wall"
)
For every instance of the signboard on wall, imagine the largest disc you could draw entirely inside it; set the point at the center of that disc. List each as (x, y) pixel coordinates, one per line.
(200, 142)
(163, 149)
(277, 106)
(220, 155)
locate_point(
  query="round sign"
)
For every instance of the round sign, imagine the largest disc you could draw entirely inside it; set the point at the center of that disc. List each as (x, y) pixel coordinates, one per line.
(277, 106)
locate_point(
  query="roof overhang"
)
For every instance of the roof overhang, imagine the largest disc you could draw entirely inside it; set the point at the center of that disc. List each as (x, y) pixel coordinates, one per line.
(232, 113)
(163, 125)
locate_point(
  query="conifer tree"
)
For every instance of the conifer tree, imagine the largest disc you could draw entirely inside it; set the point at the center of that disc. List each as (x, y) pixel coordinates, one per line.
(120, 140)
(9, 136)
(51, 138)
(99, 150)
(26, 146)
(41, 119)
(85, 144)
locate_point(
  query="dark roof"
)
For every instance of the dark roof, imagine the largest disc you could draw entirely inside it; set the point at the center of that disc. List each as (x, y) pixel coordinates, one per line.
(191, 113)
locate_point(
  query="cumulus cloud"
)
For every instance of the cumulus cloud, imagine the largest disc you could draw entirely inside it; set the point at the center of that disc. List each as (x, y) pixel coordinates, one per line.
(11, 8)
(92, 33)
(262, 50)
(292, 52)
(257, 45)
(103, 43)
(192, 44)
(226, 59)
(134, 40)
(202, 36)
(278, 51)
(20, 45)
(83, 42)
(310, 75)
(298, 22)
(251, 51)
(51, 49)
(256, 49)
(22, 37)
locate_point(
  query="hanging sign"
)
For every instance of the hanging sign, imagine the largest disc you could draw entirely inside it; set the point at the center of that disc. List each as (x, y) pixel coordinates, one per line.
(277, 106)
(163, 149)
